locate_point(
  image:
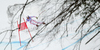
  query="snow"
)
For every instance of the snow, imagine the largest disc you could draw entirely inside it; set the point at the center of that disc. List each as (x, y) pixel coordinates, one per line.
(54, 42)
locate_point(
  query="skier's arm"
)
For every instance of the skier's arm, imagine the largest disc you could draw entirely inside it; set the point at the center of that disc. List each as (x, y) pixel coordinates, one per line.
(33, 16)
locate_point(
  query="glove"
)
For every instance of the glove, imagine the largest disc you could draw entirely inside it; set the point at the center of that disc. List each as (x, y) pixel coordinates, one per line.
(36, 17)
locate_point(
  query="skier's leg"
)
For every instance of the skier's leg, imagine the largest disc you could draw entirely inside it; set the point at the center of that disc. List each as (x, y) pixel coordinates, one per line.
(41, 23)
(33, 23)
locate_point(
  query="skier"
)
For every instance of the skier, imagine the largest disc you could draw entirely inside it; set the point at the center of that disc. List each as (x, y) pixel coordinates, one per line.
(29, 19)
